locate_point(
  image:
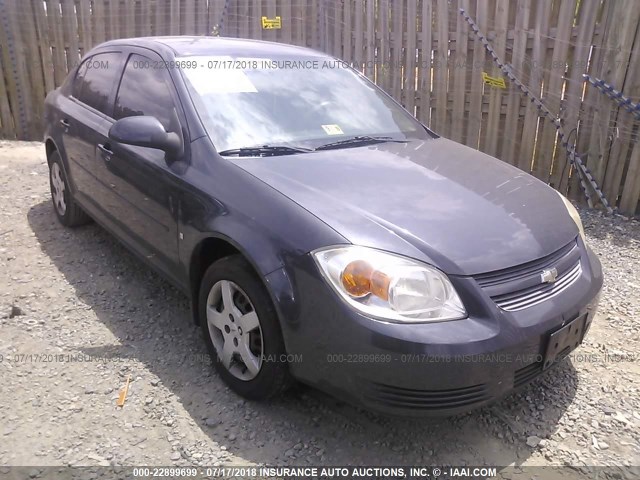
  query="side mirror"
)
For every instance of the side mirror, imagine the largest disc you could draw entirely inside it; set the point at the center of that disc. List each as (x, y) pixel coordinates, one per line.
(145, 131)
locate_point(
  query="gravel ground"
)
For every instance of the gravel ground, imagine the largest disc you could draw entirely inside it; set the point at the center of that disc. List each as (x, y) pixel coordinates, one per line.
(80, 294)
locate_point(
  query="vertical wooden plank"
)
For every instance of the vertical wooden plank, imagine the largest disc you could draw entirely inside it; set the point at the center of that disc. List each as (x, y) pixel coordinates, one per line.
(45, 44)
(137, 19)
(593, 122)
(70, 23)
(397, 20)
(424, 70)
(331, 9)
(578, 60)
(98, 21)
(7, 126)
(330, 14)
(174, 17)
(441, 58)
(287, 25)
(128, 17)
(201, 13)
(553, 89)
(110, 19)
(84, 25)
(116, 24)
(495, 94)
(188, 17)
(512, 120)
(538, 60)
(159, 15)
(347, 53)
(7, 129)
(229, 21)
(470, 76)
(312, 24)
(475, 104)
(458, 64)
(16, 77)
(256, 19)
(54, 21)
(358, 35)
(297, 16)
(31, 88)
(241, 22)
(409, 85)
(383, 54)
(631, 191)
(145, 21)
(370, 39)
(34, 80)
(213, 16)
(270, 11)
(8, 98)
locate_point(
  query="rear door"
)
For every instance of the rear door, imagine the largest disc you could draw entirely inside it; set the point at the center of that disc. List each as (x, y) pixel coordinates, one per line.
(84, 121)
(143, 180)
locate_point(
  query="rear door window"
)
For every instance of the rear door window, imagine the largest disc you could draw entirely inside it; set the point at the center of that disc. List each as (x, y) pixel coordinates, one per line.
(95, 80)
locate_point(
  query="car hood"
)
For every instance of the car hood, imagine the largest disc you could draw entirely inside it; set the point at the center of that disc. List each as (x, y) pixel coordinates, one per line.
(434, 200)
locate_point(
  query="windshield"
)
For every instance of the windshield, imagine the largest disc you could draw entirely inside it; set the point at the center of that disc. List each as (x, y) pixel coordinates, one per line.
(301, 102)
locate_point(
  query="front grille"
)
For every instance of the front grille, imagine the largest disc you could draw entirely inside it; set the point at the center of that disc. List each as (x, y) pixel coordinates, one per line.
(521, 287)
(529, 297)
(427, 399)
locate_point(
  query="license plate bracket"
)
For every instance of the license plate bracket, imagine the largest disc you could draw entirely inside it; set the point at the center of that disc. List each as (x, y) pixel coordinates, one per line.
(564, 340)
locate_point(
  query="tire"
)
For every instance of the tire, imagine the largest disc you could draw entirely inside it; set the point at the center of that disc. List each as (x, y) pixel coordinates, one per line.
(231, 280)
(67, 210)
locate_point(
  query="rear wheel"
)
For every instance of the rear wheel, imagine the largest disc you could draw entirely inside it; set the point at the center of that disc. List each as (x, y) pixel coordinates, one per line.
(67, 211)
(241, 329)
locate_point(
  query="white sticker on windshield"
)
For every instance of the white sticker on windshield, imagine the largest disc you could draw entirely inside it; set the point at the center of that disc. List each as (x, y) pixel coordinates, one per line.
(217, 75)
(332, 129)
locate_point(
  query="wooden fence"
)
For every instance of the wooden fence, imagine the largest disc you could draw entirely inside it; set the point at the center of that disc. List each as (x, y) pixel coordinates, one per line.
(420, 51)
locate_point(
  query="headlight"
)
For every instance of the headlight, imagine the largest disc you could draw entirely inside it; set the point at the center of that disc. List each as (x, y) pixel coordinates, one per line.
(573, 213)
(388, 286)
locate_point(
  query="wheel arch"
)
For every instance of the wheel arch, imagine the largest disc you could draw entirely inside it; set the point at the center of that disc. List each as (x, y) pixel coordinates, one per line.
(50, 147)
(208, 250)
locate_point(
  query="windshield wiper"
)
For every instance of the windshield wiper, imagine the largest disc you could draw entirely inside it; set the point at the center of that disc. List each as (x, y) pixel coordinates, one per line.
(359, 140)
(264, 151)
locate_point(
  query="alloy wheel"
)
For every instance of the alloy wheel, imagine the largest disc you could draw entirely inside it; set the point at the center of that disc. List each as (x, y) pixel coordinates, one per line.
(234, 328)
(57, 190)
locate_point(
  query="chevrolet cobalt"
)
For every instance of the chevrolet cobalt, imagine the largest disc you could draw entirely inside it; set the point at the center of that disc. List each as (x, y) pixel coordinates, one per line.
(321, 232)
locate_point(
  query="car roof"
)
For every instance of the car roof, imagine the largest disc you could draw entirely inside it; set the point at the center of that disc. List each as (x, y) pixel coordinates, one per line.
(181, 46)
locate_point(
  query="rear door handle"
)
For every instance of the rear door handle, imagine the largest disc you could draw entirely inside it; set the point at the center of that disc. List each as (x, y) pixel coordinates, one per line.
(65, 123)
(106, 152)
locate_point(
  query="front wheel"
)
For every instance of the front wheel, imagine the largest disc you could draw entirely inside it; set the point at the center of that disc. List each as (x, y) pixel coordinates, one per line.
(241, 330)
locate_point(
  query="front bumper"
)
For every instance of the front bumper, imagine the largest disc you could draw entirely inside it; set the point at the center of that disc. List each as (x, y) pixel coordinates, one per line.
(421, 369)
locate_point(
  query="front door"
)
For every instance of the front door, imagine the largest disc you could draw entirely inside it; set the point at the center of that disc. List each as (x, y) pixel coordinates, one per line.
(145, 182)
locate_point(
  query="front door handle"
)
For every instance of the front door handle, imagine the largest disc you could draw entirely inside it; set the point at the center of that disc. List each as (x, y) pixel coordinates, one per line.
(106, 152)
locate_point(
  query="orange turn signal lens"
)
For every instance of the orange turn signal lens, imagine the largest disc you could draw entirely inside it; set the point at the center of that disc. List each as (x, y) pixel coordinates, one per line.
(356, 278)
(380, 284)
(359, 279)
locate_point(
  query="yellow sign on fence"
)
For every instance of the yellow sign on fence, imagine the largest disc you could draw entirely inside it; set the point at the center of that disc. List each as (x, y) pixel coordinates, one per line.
(493, 81)
(271, 23)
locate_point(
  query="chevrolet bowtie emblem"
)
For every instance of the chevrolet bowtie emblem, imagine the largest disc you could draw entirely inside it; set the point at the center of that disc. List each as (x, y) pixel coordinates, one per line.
(549, 276)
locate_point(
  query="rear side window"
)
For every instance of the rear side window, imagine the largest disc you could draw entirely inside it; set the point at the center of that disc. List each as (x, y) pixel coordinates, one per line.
(145, 90)
(95, 79)
(77, 82)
